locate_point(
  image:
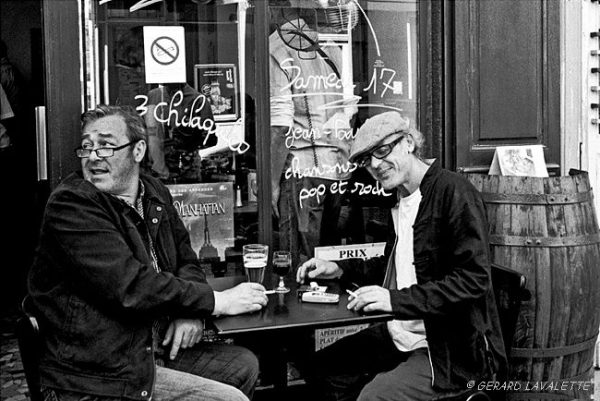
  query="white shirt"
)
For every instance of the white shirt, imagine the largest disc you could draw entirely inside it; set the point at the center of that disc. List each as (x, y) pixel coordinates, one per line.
(407, 335)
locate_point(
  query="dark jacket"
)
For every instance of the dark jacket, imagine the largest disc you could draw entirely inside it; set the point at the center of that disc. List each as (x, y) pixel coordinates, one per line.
(453, 294)
(96, 294)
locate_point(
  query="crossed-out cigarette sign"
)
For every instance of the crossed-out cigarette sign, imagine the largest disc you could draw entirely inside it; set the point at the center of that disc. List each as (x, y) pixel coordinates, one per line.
(164, 50)
(164, 54)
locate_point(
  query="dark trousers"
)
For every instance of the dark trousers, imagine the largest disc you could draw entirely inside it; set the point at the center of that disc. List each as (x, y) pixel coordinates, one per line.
(368, 366)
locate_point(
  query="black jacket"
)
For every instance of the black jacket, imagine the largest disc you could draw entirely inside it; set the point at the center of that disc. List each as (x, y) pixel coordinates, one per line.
(96, 294)
(453, 294)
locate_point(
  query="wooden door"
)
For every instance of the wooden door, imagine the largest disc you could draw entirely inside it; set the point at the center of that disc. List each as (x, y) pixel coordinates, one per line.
(506, 74)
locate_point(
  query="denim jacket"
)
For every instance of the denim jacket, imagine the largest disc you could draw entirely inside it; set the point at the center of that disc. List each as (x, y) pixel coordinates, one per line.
(96, 294)
(453, 294)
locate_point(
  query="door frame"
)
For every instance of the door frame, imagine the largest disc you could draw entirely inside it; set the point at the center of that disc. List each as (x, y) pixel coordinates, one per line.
(63, 86)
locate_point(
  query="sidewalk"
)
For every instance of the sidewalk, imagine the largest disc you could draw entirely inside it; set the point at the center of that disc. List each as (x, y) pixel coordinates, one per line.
(12, 383)
(12, 378)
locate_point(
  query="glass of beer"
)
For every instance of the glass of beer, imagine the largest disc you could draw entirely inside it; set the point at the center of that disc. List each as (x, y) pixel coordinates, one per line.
(282, 262)
(255, 261)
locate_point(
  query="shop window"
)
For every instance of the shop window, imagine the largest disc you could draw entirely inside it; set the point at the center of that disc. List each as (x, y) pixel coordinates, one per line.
(189, 67)
(333, 64)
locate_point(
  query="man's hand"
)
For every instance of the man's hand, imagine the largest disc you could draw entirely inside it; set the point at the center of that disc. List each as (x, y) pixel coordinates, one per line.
(243, 298)
(320, 268)
(371, 298)
(184, 333)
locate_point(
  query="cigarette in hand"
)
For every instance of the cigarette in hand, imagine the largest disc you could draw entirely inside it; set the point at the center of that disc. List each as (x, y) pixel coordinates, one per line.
(352, 294)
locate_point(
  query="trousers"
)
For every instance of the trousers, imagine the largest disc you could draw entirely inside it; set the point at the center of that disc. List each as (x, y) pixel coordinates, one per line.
(367, 366)
(208, 371)
(174, 385)
(225, 363)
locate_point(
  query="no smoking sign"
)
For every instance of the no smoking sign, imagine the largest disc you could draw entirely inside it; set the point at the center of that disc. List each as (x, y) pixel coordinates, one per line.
(164, 54)
(164, 50)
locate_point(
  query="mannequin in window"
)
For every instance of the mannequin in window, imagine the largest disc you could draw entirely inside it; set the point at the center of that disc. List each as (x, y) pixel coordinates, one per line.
(127, 74)
(180, 121)
(309, 142)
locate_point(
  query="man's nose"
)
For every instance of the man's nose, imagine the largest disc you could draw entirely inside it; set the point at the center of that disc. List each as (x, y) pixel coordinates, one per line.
(374, 162)
(94, 156)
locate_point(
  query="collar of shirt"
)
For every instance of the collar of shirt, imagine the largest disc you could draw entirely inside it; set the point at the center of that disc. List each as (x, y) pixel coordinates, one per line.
(138, 204)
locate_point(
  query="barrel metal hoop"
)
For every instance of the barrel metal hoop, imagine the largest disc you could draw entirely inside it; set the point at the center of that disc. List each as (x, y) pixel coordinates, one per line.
(587, 373)
(539, 396)
(552, 242)
(537, 199)
(553, 352)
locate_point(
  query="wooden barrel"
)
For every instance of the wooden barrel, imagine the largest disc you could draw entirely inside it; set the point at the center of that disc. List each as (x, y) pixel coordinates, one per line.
(546, 228)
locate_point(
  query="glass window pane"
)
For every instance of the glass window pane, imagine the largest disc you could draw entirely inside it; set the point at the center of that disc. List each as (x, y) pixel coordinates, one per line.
(333, 64)
(185, 65)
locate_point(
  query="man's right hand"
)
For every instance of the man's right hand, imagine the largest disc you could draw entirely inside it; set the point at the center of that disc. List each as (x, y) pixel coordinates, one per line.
(243, 298)
(318, 268)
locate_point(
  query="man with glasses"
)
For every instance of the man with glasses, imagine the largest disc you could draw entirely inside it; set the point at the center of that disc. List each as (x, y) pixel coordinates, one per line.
(117, 289)
(434, 278)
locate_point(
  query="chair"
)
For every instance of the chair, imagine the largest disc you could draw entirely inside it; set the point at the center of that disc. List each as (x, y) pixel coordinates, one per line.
(28, 337)
(509, 292)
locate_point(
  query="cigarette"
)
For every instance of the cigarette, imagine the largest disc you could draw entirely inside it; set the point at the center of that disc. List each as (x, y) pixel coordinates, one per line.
(267, 292)
(352, 293)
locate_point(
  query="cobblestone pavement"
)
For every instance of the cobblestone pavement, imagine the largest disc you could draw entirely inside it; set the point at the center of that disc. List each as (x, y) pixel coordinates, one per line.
(12, 383)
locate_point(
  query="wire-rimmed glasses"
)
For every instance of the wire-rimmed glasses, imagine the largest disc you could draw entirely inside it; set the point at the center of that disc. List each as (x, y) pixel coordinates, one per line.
(83, 153)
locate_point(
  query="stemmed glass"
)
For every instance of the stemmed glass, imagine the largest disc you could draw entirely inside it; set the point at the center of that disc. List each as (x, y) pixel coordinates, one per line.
(282, 262)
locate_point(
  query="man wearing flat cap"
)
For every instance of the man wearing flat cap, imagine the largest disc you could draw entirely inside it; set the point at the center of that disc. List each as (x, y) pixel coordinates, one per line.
(434, 278)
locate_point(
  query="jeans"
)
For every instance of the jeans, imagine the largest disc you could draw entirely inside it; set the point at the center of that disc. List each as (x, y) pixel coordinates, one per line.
(367, 366)
(310, 222)
(176, 385)
(209, 371)
(225, 363)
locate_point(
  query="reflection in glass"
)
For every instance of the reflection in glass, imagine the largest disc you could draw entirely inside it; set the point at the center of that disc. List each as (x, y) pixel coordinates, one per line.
(333, 64)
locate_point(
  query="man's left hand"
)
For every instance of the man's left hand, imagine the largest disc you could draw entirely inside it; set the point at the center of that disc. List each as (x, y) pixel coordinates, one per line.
(371, 298)
(183, 333)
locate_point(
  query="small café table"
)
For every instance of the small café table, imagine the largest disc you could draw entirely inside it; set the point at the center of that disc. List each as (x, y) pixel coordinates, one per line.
(285, 312)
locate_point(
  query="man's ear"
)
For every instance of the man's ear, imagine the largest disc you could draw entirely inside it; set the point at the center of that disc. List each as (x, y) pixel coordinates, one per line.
(139, 150)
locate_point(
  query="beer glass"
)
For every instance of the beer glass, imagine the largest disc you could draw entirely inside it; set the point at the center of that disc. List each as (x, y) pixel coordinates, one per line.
(255, 261)
(282, 262)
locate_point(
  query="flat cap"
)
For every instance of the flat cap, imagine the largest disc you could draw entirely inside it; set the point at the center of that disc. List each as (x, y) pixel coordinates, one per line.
(375, 130)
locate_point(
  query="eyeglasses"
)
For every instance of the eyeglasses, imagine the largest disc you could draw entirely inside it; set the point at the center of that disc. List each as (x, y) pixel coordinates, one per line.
(379, 152)
(83, 153)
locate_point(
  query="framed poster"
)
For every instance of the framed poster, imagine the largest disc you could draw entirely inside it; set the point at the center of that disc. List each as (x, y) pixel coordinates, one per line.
(218, 82)
(206, 210)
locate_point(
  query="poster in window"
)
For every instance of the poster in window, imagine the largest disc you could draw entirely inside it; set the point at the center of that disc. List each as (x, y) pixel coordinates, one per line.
(207, 212)
(218, 82)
